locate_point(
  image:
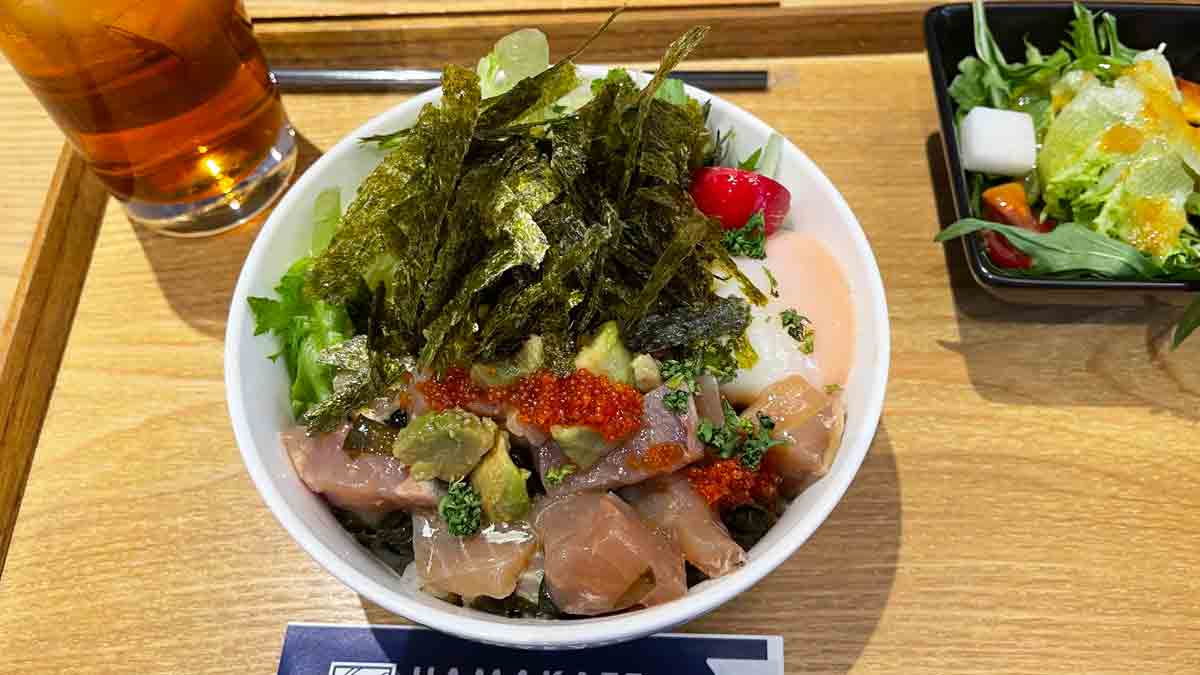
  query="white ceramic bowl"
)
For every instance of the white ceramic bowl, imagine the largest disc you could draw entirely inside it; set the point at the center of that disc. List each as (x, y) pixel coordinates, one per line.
(257, 389)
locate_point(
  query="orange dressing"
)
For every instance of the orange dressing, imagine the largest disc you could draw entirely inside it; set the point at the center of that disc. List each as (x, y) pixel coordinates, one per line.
(1122, 139)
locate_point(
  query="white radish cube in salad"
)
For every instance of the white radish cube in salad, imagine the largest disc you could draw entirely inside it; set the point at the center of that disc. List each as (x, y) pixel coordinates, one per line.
(999, 142)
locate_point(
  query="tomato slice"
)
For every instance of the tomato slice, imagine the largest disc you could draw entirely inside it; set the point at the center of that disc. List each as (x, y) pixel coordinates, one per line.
(1191, 99)
(734, 195)
(1007, 204)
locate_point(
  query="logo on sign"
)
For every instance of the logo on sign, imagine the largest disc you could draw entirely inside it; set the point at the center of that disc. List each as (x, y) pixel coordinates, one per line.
(349, 668)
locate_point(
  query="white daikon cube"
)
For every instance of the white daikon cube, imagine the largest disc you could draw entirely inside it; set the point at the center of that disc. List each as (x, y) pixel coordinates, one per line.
(1000, 142)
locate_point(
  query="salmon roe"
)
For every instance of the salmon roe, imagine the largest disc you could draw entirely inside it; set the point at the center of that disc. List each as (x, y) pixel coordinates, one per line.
(455, 389)
(545, 400)
(657, 457)
(726, 483)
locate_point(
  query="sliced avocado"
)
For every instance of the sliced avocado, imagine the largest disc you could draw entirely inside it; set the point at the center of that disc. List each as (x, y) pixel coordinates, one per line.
(583, 445)
(605, 354)
(646, 375)
(501, 485)
(445, 445)
(524, 363)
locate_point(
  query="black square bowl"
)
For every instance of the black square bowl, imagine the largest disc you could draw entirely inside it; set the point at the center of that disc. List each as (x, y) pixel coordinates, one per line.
(949, 38)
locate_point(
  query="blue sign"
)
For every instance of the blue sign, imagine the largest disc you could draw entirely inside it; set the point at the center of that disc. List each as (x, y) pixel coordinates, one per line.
(316, 649)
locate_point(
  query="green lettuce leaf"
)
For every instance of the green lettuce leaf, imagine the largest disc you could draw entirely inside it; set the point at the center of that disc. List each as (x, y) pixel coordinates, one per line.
(672, 92)
(327, 215)
(516, 56)
(304, 327)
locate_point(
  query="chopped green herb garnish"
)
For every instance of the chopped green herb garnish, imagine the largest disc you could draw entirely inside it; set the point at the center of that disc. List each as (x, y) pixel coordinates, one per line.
(800, 328)
(831, 389)
(739, 438)
(726, 438)
(557, 474)
(676, 401)
(462, 509)
(772, 282)
(758, 443)
(749, 241)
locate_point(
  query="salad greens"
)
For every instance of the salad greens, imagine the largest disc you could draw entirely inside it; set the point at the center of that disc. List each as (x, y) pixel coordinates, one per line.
(305, 326)
(1117, 161)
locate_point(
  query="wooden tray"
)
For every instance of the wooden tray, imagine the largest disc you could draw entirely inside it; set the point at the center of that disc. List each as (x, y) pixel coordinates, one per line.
(1029, 504)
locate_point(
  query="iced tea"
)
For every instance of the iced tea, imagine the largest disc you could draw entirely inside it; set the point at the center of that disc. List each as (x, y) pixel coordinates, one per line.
(171, 103)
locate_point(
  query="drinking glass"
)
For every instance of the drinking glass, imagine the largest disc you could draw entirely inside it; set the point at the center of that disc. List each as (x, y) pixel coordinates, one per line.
(170, 103)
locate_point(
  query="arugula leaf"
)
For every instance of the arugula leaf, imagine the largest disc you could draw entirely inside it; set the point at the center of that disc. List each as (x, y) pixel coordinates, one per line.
(304, 327)
(1192, 205)
(751, 162)
(1098, 52)
(750, 240)
(1070, 247)
(1188, 323)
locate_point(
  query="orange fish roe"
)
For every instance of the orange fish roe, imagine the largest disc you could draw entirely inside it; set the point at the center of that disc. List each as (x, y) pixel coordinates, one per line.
(579, 399)
(545, 400)
(725, 483)
(455, 389)
(657, 457)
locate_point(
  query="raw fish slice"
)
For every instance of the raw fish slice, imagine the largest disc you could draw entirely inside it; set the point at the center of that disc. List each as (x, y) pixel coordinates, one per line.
(369, 482)
(489, 563)
(666, 443)
(808, 420)
(601, 557)
(672, 507)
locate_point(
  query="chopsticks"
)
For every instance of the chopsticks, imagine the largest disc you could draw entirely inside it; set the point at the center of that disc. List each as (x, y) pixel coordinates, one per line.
(354, 80)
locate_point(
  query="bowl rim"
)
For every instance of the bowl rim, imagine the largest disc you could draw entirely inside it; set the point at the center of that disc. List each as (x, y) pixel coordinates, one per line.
(985, 273)
(590, 632)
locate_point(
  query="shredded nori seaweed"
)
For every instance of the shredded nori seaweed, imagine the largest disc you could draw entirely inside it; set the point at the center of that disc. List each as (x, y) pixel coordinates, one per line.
(491, 220)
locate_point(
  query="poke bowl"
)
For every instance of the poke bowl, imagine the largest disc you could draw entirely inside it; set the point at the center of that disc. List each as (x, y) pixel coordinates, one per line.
(451, 512)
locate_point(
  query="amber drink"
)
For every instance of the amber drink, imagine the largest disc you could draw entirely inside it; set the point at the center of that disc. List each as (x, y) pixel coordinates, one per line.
(171, 103)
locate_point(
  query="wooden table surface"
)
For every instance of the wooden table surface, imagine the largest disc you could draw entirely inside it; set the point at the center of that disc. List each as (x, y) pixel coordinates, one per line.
(1030, 503)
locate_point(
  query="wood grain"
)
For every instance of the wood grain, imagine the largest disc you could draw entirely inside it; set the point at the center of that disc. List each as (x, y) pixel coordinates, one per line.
(288, 9)
(36, 328)
(638, 35)
(31, 149)
(1030, 504)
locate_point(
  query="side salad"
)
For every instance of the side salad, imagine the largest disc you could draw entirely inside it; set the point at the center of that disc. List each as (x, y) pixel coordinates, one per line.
(539, 363)
(1083, 162)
